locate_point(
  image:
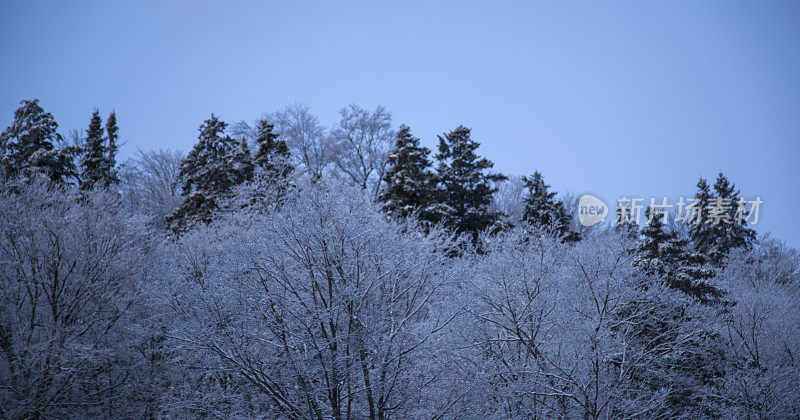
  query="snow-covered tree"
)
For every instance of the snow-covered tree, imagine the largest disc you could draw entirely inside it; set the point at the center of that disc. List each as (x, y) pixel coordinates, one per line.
(410, 185)
(509, 200)
(94, 164)
(325, 306)
(306, 138)
(760, 332)
(664, 254)
(467, 182)
(149, 184)
(71, 272)
(31, 145)
(216, 164)
(569, 332)
(718, 225)
(272, 154)
(542, 209)
(361, 142)
(112, 134)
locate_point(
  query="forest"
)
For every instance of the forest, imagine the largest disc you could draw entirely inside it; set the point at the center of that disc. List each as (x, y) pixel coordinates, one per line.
(284, 268)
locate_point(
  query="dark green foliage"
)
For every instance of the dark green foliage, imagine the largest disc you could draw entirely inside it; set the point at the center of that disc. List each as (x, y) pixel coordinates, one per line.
(676, 353)
(663, 253)
(411, 187)
(543, 210)
(216, 164)
(625, 225)
(94, 162)
(719, 226)
(112, 134)
(29, 146)
(467, 183)
(272, 155)
(98, 167)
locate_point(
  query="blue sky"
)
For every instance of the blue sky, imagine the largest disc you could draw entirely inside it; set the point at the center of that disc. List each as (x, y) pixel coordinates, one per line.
(613, 98)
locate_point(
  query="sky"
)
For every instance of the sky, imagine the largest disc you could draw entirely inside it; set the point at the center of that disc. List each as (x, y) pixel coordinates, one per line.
(634, 99)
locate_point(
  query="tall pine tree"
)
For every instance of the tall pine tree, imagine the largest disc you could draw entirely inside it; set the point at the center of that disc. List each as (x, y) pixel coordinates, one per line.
(701, 233)
(216, 164)
(410, 185)
(95, 155)
(663, 253)
(542, 209)
(29, 146)
(272, 155)
(734, 233)
(625, 225)
(112, 134)
(719, 225)
(467, 183)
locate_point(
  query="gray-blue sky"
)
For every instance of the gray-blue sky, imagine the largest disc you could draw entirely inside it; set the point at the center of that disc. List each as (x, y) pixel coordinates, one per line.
(615, 98)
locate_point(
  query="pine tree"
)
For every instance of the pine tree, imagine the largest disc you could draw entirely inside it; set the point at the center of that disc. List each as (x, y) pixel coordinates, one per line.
(410, 186)
(467, 183)
(733, 232)
(28, 146)
(93, 166)
(625, 224)
(216, 164)
(701, 233)
(272, 155)
(542, 209)
(719, 226)
(112, 134)
(663, 253)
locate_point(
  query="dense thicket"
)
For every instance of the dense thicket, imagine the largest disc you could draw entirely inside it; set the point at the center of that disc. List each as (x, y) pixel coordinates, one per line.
(290, 291)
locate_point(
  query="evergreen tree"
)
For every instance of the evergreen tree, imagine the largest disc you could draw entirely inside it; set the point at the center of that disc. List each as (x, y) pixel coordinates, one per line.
(542, 209)
(719, 226)
(93, 166)
(625, 225)
(272, 155)
(701, 233)
(216, 164)
(663, 253)
(112, 133)
(733, 231)
(29, 146)
(243, 162)
(410, 184)
(467, 183)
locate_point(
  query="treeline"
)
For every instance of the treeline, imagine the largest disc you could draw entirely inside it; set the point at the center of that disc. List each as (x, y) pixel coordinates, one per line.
(287, 269)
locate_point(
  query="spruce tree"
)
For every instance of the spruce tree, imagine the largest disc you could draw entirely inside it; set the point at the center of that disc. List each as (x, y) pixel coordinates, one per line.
(29, 146)
(719, 226)
(543, 210)
(410, 185)
(663, 253)
(733, 233)
(701, 233)
(112, 134)
(467, 183)
(272, 155)
(625, 225)
(95, 155)
(216, 164)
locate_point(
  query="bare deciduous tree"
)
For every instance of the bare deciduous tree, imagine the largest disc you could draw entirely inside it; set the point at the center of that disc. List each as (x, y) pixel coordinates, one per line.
(149, 183)
(305, 136)
(362, 141)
